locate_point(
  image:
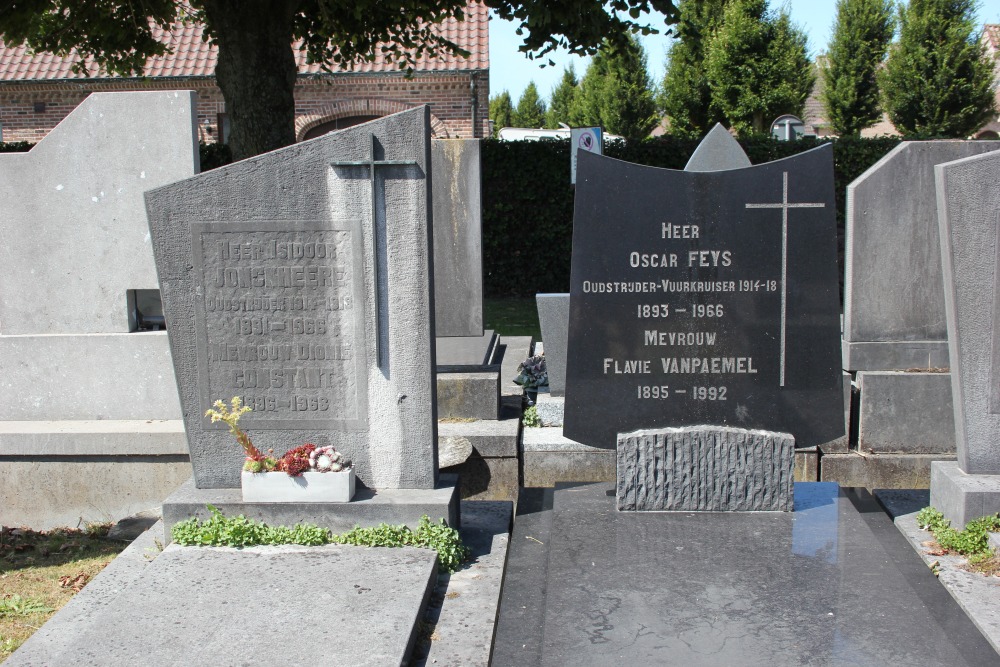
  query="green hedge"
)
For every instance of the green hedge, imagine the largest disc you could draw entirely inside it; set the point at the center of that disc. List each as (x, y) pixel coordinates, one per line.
(528, 201)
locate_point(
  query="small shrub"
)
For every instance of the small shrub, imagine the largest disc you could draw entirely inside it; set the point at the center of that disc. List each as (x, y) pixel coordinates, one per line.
(530, 417)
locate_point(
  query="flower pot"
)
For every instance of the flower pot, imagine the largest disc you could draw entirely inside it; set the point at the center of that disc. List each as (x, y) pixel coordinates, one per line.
(309, 487)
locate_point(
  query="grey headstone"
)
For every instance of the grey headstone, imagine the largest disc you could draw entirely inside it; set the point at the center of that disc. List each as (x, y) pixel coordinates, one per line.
(893, 299)
(718, 151)
(705, 468)
(458, 241)
(969, 218)
(270, 289)
(553, 316)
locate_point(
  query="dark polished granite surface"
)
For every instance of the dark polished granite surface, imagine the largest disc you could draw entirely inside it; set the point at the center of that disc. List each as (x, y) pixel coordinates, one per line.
(832, 583)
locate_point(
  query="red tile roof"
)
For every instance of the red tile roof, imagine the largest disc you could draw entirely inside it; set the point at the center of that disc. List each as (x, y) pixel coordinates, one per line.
(191, 56)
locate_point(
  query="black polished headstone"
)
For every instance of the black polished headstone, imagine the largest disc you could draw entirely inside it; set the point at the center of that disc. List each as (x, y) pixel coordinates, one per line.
(705, 298)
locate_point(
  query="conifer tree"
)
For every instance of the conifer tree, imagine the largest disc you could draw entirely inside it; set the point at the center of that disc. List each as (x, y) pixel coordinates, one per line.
(861, 37)
(938, 80)
(757, 67)
(616, 92)
(563, 96)
(685, 96)
(501, 112)
(530, 109)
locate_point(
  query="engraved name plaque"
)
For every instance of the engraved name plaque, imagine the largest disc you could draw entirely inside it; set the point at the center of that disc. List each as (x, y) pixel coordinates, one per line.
(280, 321)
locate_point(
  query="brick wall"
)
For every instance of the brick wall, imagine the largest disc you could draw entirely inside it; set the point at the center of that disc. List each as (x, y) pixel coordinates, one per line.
(28, 111)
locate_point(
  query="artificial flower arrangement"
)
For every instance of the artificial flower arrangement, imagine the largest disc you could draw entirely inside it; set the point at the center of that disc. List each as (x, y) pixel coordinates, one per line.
(294, 462)
(531, 373)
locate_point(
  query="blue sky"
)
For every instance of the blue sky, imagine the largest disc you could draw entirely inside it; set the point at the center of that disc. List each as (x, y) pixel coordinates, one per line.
(510, 70)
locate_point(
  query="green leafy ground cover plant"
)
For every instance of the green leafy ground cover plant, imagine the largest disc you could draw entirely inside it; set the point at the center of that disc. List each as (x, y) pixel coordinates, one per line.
(971, 542)
(239, 531)
(40, 571)
(530, 417)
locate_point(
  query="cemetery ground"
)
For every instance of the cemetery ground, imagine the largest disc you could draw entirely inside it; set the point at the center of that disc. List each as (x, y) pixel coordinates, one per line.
(40, 571)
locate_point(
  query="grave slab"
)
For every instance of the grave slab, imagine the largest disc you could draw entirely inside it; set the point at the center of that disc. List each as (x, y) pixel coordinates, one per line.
(221, 606)
(880, 471)
(670, 588)
(468, 395)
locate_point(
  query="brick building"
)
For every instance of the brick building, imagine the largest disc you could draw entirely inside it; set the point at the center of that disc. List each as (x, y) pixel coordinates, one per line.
(39, 90)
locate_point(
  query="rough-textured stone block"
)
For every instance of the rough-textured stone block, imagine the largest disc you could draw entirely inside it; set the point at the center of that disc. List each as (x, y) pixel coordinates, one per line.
(553, 316)
(962, 497)
(468, 395)
(705, 468)
(879, 471)
(906, 413)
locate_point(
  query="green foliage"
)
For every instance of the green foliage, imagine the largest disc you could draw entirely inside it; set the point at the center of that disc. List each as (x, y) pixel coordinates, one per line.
(256, 64)
(15, 146)
(530, 417)
(428, 535)
(860, 41)
(616, 92)
(15, 605)
(238, 531)
(972, 541)
(757, 67)
(214, 155)
(501, 112)
(563, 98)
(938, 79)
(527, 195)
(530, 109)
(685, 95)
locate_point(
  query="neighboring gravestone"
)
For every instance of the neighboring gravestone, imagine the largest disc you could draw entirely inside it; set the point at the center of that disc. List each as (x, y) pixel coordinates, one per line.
(89, 418)
(895, 340)
(969, 219)
(300, 280)
(553, 317)
(458, 238)
(705, 298)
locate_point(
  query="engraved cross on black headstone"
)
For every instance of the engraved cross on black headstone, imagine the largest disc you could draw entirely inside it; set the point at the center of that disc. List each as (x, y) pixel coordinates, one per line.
(784, 205)
(381, 306)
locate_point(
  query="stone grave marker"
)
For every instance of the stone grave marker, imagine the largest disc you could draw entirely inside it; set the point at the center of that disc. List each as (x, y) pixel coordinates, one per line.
(720, 309)
(301, 281)
(969, 222)
(88, 407)
(895, 338)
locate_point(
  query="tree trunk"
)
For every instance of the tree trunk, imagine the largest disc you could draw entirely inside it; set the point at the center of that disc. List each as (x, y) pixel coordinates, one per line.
(256, 71)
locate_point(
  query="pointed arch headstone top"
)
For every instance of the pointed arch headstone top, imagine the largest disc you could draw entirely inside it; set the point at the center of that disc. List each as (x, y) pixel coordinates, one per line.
(718, 151)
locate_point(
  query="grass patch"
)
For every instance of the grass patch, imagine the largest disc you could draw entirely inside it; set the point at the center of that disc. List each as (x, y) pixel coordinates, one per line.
(971, 542)
(512, 317)
(41, 571)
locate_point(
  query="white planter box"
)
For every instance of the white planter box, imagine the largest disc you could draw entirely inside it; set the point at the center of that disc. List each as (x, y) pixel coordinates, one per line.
(309, 487)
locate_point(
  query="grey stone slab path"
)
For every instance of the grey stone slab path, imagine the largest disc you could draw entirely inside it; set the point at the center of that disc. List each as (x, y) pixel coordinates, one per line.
(256, 606)
(462, 613)
(832, 583)
(169, 608)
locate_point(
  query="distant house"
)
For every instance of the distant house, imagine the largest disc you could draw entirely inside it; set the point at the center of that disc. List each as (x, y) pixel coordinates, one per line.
(39, 90)
(815, 113)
